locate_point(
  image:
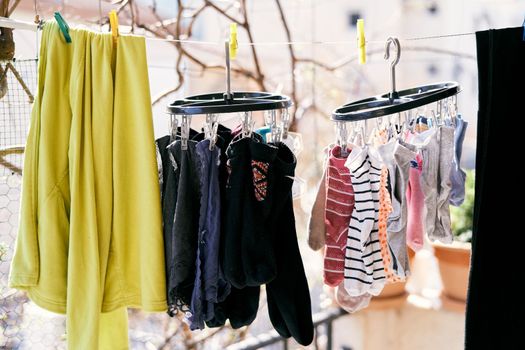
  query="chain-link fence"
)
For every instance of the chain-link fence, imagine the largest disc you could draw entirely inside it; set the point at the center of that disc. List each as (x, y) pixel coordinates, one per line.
(22, 324)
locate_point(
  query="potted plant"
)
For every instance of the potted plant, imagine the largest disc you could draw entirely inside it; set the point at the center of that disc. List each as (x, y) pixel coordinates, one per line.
(454, 259)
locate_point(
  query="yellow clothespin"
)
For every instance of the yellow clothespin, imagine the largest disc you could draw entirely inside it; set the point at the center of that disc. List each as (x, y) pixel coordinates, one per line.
(113, 22)
(233, 41)
(361, 43)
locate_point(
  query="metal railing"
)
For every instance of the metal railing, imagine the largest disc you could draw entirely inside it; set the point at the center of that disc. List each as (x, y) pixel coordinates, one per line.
(321, 319)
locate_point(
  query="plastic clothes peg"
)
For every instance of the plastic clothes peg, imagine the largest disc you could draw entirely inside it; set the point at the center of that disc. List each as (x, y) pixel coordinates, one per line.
(233, 41)
(361, 43)
(113, 22)
(64, 27)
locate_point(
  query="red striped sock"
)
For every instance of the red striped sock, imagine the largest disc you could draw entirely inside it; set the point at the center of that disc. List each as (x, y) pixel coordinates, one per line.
(339, 207)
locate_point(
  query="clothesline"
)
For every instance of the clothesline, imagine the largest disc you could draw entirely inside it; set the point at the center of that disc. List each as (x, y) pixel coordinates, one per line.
(277, 43)
(16, 24)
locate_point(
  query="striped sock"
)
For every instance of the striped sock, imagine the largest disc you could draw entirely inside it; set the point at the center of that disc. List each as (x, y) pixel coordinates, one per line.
(363, 251)
(339, 206)
(373, 250)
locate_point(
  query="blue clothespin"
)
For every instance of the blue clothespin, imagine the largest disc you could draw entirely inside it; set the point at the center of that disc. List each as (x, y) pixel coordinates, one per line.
(64, 28)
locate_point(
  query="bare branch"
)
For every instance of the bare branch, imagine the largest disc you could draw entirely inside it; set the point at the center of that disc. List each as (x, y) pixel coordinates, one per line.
(4, 8)
(202, 338)
(316, 63)
(260, 75)
(223, 12)
(132, 14)
(194, 17)
(13, 7)
(293, 60)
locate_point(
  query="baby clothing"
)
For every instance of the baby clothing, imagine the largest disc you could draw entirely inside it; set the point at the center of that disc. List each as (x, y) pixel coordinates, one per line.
(457, 175)
(446, 154)
(415, 205)
(339, 206)
(349, 303)
(436, 150)
(210, 285)
(364, 271)
(398, 155)
(248, 258)
(288, 296)
(186, 226)
(385, 208)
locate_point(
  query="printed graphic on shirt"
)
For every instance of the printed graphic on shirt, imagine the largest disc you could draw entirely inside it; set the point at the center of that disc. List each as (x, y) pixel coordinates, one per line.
(260, 179)
(228, 170)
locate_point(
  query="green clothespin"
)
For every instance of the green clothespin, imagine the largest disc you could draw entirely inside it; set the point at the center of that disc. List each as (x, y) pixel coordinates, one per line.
(64, 28)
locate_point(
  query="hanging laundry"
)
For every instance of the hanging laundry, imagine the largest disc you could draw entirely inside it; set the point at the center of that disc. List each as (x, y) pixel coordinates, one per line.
(241, 232)
(364, 270)
(458, 175)
(415, 203)
(398, 155)
(338, 208)
(316, 223)
(90, 237)
(210, 286)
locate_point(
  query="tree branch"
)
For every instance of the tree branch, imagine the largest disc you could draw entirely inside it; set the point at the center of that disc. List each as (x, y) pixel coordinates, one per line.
(293, 60)
(260, 75)
(223, 12)
(194, 17)
(12, 8)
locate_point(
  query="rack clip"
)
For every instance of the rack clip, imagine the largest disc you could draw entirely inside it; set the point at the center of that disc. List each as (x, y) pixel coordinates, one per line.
(64, 27)
(361, 42)
(113, 22)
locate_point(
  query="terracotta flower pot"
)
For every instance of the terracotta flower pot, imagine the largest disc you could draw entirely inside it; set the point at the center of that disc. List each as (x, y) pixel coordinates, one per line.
(454, 261)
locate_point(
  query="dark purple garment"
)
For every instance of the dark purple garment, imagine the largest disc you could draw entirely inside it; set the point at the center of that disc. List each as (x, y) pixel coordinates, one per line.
(210, 284)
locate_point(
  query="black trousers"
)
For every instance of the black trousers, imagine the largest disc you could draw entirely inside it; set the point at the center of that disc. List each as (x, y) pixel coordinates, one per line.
(495, 306)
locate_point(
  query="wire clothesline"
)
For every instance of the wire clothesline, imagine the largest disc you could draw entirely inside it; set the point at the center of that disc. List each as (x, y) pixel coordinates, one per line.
(16, 24)
(317, 42)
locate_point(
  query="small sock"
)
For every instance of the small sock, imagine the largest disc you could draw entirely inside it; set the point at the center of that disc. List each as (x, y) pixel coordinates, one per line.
(372, 251)
(385, 208)
(397, 156)
(339, 207)
(349, 303)
(428, 143)
(396, 229)
(316, 224)
(415, 205)
(446, 154)
(278, 322)
(357, 275)
(457, 175)
(240, 307)
(239, 178)
(257, 241)
(288, 295)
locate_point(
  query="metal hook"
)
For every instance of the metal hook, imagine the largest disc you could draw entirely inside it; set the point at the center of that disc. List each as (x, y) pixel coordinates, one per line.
(389, 42)
(228, 94)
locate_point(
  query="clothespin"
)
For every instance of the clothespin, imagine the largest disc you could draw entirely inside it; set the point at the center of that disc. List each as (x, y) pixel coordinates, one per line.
(361, 43)
(113, 22)
(64, 27)
(233, 41)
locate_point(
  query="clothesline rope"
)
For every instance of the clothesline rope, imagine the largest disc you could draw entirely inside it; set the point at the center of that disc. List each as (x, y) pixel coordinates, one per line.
(9, 23)
(277, 43)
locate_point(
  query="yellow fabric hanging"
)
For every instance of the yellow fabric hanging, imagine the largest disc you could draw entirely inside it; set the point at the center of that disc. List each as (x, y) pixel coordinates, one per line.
(90, 237)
